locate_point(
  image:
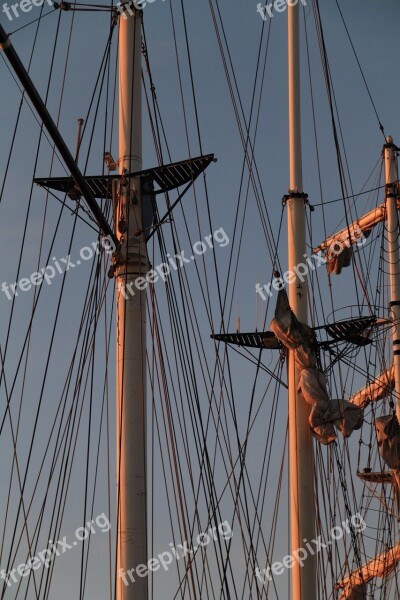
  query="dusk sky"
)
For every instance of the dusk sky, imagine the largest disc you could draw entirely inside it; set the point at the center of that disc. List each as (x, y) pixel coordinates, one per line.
(373, 27)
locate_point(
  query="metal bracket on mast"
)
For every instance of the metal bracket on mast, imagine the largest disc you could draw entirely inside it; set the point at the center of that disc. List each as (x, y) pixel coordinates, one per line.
(298, 195)
(390, 144)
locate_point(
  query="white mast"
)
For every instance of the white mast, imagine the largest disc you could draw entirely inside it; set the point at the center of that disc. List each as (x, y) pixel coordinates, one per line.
(131, 324)
(302, 498)
(390, 160)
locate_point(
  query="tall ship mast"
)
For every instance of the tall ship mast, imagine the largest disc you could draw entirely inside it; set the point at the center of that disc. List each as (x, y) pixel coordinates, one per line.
(156, 442)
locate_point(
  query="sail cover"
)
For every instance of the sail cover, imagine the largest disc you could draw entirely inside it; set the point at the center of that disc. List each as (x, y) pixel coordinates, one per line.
(326, 414)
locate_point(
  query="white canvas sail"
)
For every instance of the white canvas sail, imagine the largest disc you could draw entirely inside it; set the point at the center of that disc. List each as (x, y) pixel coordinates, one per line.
(326, 413)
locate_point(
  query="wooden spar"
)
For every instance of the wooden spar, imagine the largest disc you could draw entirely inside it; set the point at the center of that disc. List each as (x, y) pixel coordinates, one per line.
(380, 566)
(379, 388)
(40, 107)
(351, 234)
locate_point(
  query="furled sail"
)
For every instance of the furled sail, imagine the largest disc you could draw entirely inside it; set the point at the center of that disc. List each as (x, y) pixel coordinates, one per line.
(338, 247)
(388, 436)
(354, 586)
(379, 388)
(336, 261)
(326, 414)
(387, 427)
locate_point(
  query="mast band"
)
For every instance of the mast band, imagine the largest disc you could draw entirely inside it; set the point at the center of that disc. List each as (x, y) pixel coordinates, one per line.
(394, 303)
(5, 45)
(396, 342)
(396, 352)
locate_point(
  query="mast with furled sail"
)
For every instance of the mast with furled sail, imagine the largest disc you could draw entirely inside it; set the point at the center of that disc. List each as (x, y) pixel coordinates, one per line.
(301, 489)
(387, 427)
(185, 474)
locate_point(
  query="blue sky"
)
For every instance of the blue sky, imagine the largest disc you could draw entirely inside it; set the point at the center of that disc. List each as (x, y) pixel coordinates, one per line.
(374, 30)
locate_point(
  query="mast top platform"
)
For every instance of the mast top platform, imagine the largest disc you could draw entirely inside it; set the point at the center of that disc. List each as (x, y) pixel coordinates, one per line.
(166, 177)
(355, 331)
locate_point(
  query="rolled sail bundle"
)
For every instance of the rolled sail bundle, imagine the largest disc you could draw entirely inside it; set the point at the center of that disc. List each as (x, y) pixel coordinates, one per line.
(339, 246)
(293, 334)
(388, 435)
(326, 414)
(354, 586)
(379, 388)
(337, 260)
(356, 592)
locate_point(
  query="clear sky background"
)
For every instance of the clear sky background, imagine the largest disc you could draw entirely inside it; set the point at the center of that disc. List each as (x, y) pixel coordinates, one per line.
(373, 27)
